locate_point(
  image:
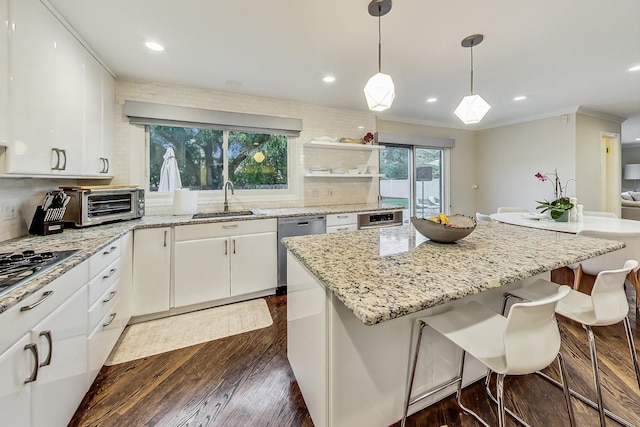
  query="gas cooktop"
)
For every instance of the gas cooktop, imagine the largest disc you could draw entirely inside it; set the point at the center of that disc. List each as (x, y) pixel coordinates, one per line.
(18, 268)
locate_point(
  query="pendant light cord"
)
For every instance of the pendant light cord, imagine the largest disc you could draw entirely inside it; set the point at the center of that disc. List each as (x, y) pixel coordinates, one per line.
(471, 69)
(379, 40)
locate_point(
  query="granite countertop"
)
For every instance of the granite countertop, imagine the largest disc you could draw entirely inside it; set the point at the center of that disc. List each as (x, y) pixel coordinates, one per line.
(382, 274)
(91, 239)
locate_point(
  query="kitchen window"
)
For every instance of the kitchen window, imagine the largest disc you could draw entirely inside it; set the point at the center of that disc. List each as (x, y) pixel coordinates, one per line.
(206, 158)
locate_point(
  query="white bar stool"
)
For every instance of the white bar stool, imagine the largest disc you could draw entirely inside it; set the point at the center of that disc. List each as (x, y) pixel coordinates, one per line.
(525, 341)
(607, 305)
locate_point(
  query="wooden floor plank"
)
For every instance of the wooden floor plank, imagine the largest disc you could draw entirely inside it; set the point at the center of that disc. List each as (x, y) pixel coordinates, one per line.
(246, 380)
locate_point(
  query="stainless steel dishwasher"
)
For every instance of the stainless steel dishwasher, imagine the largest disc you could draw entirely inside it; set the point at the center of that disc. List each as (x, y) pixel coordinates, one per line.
(290, 227)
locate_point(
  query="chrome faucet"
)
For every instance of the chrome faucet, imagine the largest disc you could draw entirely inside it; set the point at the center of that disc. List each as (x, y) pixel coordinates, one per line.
(226, 200)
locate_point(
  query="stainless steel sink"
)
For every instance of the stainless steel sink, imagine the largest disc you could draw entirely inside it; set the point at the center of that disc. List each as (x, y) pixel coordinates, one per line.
(221, 214)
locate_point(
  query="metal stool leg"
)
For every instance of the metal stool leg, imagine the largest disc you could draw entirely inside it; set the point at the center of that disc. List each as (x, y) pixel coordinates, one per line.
(565, 389)
(459, 394)
(412, 369)
(632, 348)
(596, 374)
(500, 393)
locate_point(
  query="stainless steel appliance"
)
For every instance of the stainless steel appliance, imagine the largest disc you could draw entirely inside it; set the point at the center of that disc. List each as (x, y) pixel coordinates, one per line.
(290, 227)
(379, 219)
(97, 205)
(17, 269)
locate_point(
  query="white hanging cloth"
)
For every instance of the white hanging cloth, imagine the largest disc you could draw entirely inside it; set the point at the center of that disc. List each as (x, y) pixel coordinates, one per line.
(169, 173)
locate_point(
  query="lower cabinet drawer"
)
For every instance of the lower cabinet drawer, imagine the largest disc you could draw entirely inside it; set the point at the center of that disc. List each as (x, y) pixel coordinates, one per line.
(342, 228)
(103, 280)
(103, 305)
(342, 219)
(102, 340)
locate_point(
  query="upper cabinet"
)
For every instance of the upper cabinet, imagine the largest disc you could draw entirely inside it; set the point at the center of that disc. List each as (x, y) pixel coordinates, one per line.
(4, 72)
(57, 98)
(32, 88)
(99, 118)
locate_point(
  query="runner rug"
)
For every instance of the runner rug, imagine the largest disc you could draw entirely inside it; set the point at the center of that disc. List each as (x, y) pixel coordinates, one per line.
(171, 333)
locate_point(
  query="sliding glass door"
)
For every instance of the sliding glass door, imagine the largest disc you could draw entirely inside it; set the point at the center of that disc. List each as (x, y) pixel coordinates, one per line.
(428, 185)
(413, 179)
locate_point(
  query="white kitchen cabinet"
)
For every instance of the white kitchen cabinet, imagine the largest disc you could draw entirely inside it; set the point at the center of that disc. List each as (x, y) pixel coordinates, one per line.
(4, 72)
(60, 99)
(109, 301)
(32, 88)
(92, 114)
(99, 117)
(340, 223)
(16, 365)
(151, 270)
(219, 260)
(70, 103)
(201, 271)
(254, 264)
(108, 123)
(126, 279)
(62, 377)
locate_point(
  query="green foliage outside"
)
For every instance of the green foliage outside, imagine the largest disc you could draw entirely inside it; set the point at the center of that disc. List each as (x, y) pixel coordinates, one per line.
(199, 154)
(394, 162)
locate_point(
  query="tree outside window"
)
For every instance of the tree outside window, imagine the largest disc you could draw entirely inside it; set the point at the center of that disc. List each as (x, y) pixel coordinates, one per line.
(255, 161)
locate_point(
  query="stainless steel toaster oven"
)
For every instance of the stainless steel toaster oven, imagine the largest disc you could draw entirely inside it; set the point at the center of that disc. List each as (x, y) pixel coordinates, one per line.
(92, 206)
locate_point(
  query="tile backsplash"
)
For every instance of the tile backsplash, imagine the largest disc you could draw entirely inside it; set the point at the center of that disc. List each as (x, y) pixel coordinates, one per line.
(18, 200)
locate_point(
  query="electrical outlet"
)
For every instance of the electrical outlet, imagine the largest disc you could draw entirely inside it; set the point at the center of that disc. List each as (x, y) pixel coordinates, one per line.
(330, 192)
(9, 211)
(315, 193)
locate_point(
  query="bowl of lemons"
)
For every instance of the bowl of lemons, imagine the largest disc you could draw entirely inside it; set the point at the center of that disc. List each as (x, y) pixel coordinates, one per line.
(443, 228)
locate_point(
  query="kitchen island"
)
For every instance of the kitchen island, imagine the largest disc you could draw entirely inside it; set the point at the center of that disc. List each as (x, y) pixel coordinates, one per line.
(353, 298)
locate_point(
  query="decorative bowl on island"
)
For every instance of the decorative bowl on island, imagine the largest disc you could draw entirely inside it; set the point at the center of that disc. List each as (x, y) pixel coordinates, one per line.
(448, 230)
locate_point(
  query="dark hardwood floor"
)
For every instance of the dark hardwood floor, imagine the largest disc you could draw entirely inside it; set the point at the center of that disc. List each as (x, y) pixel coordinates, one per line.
(245, 380)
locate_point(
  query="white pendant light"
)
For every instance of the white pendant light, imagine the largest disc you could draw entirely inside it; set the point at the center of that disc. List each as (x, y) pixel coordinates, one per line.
(472, 108)
(379, 90)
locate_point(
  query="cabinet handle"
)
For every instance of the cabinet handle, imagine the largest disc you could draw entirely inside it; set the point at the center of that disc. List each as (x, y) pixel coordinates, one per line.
(230, 226)
(110, 273)
(165, 238)
(226, 247)
(106, 169)
(45, 295)
(111, 317)
(111, 249)
(47, 335)
(343, 216)
(110, 297)
(64, 165)
(57, 153)
(303, 224)
(34, 374)
(342, 229)
(234, 246)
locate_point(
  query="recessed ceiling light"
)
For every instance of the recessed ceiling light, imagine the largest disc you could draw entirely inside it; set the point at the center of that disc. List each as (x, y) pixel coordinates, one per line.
(638, 139)
(520, 98)
(432, 99)
(360, 127)
(635, 68)
(154, 46)
(328, 79)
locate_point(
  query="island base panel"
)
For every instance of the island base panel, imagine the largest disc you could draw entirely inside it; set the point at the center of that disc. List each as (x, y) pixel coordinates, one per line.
(364, 368)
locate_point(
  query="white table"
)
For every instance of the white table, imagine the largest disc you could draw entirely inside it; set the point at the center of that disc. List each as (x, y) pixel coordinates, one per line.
(589, 223)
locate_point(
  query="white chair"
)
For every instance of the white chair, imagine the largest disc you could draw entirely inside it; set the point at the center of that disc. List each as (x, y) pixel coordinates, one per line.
(483, 217)
(611, 260)
(525, 341)
(600, 214)
(507, 209)
(607, 305)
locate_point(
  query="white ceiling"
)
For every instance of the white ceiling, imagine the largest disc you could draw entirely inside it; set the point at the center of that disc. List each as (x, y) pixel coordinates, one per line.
(562, 54)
